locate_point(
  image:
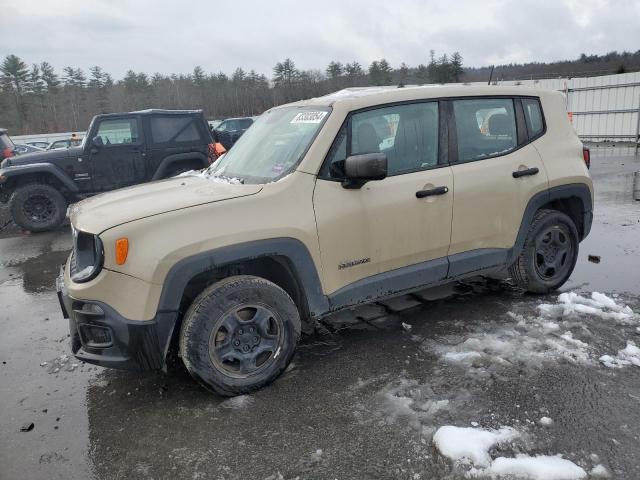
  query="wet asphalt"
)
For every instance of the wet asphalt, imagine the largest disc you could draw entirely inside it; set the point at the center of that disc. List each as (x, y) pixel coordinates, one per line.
(347, 406)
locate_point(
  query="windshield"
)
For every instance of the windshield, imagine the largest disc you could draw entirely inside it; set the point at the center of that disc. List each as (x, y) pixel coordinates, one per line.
(272, 147)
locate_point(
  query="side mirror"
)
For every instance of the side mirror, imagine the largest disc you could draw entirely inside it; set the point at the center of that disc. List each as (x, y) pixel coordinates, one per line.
(97, 141)
(359, 169)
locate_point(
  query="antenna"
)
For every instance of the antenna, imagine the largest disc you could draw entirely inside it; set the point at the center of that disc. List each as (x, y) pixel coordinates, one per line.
(491, 75)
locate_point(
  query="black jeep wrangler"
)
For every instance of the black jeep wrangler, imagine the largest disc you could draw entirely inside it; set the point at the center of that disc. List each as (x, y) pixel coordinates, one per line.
(119, 150)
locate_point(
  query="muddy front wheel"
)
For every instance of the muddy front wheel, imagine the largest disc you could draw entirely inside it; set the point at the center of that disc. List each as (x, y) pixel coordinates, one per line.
(239, 335)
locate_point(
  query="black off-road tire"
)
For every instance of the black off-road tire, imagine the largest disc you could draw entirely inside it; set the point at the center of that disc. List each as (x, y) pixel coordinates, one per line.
(37, 207)
(530, 269)
(223, 303)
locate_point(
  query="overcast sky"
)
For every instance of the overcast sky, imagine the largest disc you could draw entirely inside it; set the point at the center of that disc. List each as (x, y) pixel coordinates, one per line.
(175, 35)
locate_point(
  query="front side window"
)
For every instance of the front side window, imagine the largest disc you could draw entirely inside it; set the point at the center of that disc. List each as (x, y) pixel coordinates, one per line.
(533, 116)
(173, 128)
(485, 127)
(118, 131)
(406, 134)
(273, 146)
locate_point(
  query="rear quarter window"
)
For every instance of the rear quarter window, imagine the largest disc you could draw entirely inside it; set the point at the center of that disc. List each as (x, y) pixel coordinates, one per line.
(173, 128)
(533, 116)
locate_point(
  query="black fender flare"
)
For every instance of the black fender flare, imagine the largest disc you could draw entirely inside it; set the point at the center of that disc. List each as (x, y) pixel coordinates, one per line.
(15, 171)
(169, 161)
(578, 190)
(293, 250)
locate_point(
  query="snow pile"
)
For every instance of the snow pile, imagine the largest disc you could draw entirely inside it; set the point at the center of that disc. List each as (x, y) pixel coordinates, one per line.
(546, 421)
(471, 445)
(535, 339)
(214, 177)
(570, 304)
(542, 467)
(599, 471)
(630, 355)
(529, 342)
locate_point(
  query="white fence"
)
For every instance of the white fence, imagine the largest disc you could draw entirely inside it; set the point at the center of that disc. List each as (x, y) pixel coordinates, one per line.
(603, 109)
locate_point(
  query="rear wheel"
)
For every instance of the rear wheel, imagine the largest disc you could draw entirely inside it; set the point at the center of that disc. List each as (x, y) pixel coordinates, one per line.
(549, 254)
(239, 335)
(37, 207)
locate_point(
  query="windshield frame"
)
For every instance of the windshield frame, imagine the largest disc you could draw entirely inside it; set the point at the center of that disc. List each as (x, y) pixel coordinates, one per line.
(264, 180)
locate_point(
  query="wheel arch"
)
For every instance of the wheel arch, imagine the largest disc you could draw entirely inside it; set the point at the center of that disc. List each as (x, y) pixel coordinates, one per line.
(39, 173)
(283, 261)
(574, 200)
(195, 158)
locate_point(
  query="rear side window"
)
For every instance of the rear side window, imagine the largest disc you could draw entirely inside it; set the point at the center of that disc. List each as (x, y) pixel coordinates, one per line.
(117, 131)
(485, 127)
(533, 116)
(173, 128)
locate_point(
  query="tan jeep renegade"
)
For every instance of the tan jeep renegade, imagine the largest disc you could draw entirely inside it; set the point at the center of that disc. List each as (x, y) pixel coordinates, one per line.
(324, 204)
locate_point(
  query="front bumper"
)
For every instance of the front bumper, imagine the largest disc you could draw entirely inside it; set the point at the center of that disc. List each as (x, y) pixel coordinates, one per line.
(101, 336)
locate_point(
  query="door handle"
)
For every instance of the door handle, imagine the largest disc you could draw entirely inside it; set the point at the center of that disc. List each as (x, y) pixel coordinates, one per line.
(525, 173)
(431, 192)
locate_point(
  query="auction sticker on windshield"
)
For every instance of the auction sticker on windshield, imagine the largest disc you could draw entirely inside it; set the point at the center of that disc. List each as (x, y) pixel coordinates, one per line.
(309, 117)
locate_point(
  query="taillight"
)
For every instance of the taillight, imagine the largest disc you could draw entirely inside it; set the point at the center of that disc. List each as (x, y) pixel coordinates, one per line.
(586, 156)
(211, 152)
(7, 152)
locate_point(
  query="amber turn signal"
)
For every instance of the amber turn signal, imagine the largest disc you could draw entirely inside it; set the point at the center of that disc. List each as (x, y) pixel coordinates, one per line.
(122, 250)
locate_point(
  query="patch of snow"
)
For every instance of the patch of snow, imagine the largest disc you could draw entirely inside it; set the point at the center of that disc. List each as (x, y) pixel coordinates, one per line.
(599, 305)
(630, 355)
(546, 421)
(236, 403)
(541, 467)
(464, 444)
(214, 177)
(599, 471)
(401, 401)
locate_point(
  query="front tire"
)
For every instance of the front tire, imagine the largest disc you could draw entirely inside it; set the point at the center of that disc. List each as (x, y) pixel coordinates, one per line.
(37, 207)
(549, 254)
(239, 335)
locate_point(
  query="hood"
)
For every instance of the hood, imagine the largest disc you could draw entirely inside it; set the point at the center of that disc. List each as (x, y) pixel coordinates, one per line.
(99, 213)
(48, 156)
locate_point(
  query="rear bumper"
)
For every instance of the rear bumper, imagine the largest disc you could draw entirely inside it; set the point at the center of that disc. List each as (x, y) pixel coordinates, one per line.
(101, 336)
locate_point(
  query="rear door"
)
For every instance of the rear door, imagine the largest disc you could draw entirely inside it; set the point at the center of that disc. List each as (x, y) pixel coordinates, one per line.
(496, 170)
(120, 161)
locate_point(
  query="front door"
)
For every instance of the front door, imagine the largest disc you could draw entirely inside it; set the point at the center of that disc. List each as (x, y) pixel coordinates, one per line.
(390, 226)
(496, 173)
(119, 161)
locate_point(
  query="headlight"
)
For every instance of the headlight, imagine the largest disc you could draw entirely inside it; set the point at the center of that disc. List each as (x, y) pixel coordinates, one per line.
(86, 257)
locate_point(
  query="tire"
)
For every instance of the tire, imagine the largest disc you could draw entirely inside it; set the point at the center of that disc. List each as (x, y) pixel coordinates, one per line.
(239, 335)
(549, 254)
(37, 207)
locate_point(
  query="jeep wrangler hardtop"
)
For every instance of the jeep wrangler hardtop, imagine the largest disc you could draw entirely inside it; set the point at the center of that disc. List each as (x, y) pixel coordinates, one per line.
(119, 150)
(321, 205)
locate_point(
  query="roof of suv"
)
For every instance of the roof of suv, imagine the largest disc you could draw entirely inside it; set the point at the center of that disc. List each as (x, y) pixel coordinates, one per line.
(150, 111)
(352, 98)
